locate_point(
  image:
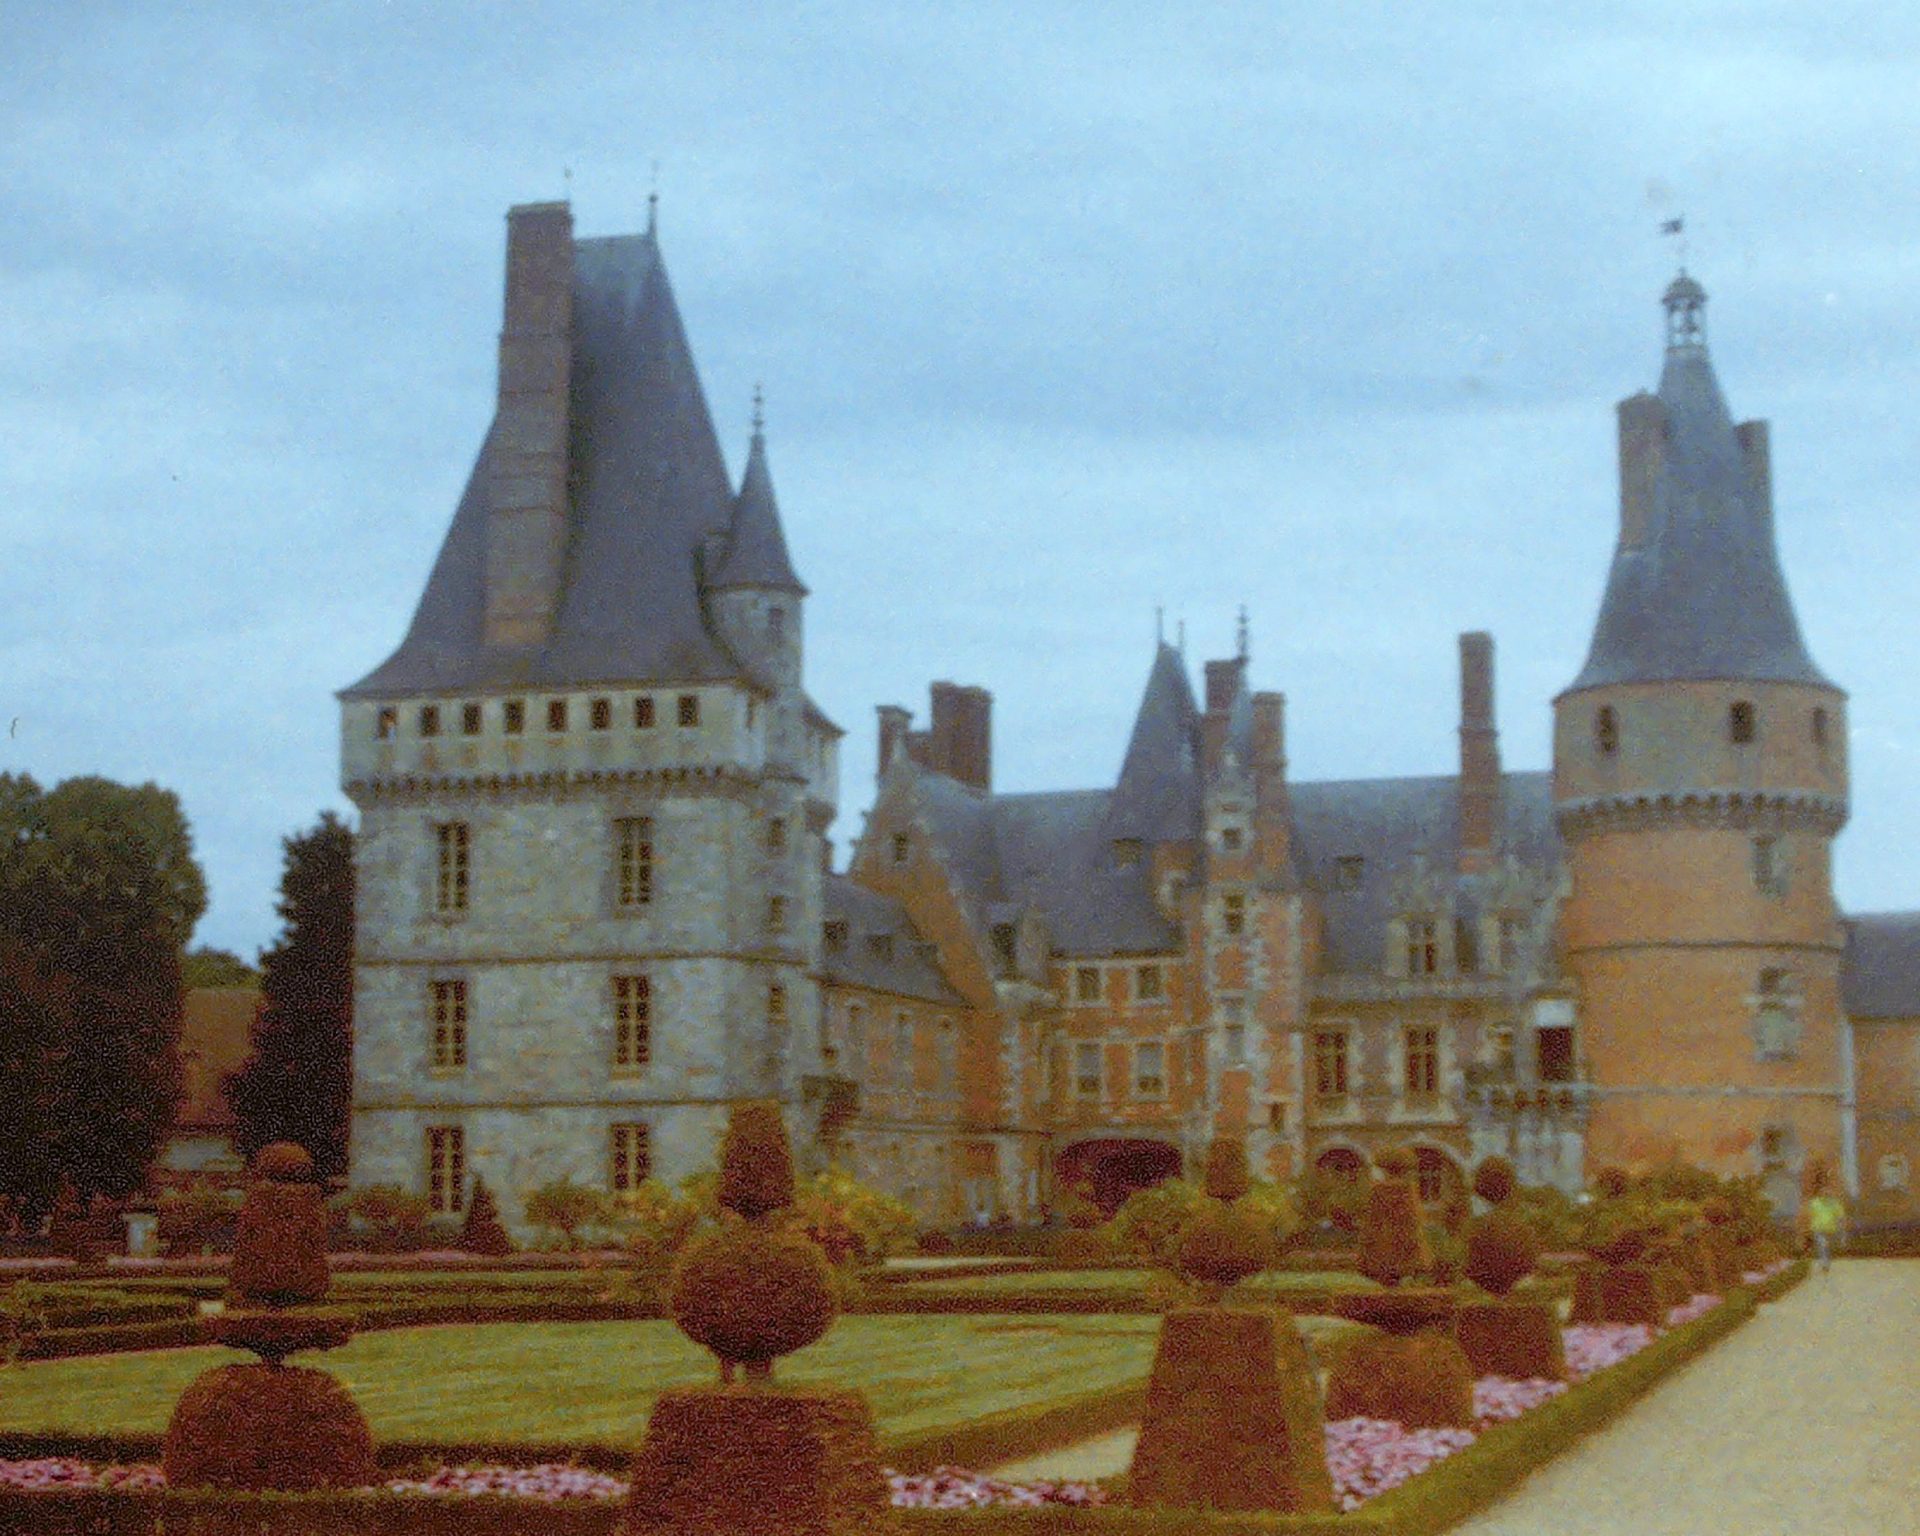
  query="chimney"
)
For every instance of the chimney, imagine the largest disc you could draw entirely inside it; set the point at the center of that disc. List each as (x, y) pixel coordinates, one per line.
(1757, 452)
(527, 485)
(1223, 682)
(1270, 733)
(1479, 753)
(893, 735)
(1643, 432)
(1273, 817)
(962, 734)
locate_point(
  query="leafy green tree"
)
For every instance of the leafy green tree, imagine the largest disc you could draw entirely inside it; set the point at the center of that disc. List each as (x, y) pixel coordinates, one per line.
(204, 967)
(297, 1085)
(99, 892)
(566, 1208)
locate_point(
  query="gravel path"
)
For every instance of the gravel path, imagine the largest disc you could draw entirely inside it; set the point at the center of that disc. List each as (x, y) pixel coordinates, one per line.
(1807, 1420)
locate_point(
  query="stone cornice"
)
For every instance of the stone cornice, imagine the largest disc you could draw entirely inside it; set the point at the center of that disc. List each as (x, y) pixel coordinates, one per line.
(551, 784)
(1700, 810)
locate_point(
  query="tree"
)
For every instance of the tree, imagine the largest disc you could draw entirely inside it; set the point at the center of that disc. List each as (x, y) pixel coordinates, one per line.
(204, 967)
(297, 1085)
(99, 891)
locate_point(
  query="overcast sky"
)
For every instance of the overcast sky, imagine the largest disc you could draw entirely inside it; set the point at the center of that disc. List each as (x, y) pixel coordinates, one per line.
(1063, 312)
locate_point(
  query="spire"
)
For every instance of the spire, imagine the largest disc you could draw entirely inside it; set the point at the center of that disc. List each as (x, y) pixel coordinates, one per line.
(756, 553)
(1696, 590)
(1158, 796)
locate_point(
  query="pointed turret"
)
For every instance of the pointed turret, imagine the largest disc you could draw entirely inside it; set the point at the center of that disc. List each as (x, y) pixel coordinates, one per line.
(1158, 796)
(756, 551)
(1696, 590)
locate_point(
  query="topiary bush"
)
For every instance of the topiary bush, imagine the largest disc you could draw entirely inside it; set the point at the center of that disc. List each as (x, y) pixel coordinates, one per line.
(1226, 1172)
(280, 1252)
(1420, 1381)
(1501, 1251)
(1494, 1180)
(1393, 1245)
(1150, 1222)
(756, 1164)
(482, 1231)
(266, 1427)
(1611, 1183)
(390, 1219)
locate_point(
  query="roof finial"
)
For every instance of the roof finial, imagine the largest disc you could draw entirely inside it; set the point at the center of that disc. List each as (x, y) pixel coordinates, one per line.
(1240, 633)
(759, 411)
(1684, 299)
(653, 202)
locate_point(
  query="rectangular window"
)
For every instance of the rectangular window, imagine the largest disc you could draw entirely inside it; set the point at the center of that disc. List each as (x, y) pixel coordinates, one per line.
(833, 937)
(1230, 839)
(880, 946)
(1553, 1045)
(1086, 1070)
(777, 835)
(447, 1013)
(1511, 930)
(429, 719)
(1149, 986)
(901, 847)
(1006, 946)
(600, 714)
(1086, 983)
(632, 1023)
(1348, 872)
(1769, 867)
(633, 841)
(632, 1146)
(556, 714)
(1330, 1064)
(1150, 1069)
(452, 872)
(777, 1015)
(1236, 1041)
(1423, 946)
(776, 914)
(902, 1050)
(829, 1049)
(1233, 913)
(1466, 946)
(1740, 723)
(470, 718)
(689, 709)
(446, 1169)
(643, 712)
(1276, 1116)
(386, 723)
(1422, 1045)
(513, 716)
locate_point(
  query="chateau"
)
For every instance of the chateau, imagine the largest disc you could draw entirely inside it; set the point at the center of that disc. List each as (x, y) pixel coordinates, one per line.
(595, 900)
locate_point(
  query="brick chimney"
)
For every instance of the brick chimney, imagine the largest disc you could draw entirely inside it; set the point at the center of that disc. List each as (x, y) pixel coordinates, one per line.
(962, 734)
(1643, 434)
(1479, 753)
(1273, 818)
(527, 483)
(1222, 683)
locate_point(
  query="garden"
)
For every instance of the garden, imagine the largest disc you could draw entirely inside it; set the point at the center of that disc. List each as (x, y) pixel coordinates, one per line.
(1218, 1355)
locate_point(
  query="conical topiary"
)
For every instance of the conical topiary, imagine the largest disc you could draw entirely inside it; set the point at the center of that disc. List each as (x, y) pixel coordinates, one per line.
(756, 1165)
(1393, 1245)
(1223, 1243)
(482, 1231)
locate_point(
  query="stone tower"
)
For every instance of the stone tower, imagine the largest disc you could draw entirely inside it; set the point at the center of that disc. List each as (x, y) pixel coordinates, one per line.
(593, 791)
(1700, 775)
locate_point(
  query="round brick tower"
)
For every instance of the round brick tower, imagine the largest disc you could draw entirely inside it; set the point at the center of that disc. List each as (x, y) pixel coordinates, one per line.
(1700, 775)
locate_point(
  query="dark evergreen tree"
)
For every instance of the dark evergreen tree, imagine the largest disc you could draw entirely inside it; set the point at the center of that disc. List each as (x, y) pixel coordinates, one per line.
(297, 1085)
(98, 894)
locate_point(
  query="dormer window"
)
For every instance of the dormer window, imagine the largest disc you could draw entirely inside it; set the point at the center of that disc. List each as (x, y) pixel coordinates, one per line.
(429, 719)
(643, 712)
(834, 937)
(1740, 723)
(689, 709)
(776, 625)
(1606, 731)
(386, 723)
(1126, 851)
(1348, 872)
(1005, 945)
(880, 946)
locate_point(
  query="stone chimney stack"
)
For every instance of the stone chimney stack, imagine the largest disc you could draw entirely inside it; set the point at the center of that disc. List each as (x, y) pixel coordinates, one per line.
(962, 734)
(1643, 430)
(893, 735)
(527, 485)
(1479, 753)
(1273, 818)
(1222, 683)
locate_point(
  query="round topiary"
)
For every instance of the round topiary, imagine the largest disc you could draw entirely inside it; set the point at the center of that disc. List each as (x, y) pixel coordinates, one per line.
(283, 1162)
(756, 1164)
(1223, 1245)
(751, 1295)
(266, 1427)
(1501, 1252)
(1227, 1177)
(1611, 1183)
(1494, 1181)
(1623, 1245)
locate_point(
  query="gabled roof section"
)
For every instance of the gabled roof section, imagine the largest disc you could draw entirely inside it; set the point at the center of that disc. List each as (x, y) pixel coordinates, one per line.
(647, 485)
(1158, 796)
(1702, 596)
(756, 554)
(1880, 969)
(906, 967)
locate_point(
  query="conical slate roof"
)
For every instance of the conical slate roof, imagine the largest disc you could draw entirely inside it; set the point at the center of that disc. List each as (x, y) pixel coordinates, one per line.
(756, 553)
(1158, 796)
(647, 487)
(1702, 596)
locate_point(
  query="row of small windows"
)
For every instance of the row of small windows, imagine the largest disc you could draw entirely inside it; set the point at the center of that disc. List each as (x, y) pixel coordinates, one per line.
(629, 1162)
(1148, 1078)
(513, 716)
(1743, 727)
(1422, 949)
(902, 1053)
(1147, 983)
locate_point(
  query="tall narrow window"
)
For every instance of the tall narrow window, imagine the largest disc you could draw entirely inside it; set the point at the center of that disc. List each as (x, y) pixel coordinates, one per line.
(777, 835)
(1740, 722)
(1233, 1024)
(429, 719)
(1086, 1070)
(556, 715)
(776, 625)
(1776, 1024)
(902, 845)
(1606, 731)
(1510, 931)
(1423, 1061)
(632, 1023)
(1149, 984)
(1820, 728)
(386, 723)
(446, 1168)
(1769, 867)
(902, 1049)
(776, 914)
(452, 883)
(600, 714)
(1233, 913)
(447, 1014)
(632, 1147)
(470, 718)
(829, 1047)
(643, 712)
(1150, 1069)
(777, 1016)
(1553, 1044)
(633, 838)
(513, 716)
(1466, 946)
(689, 709)
(1330, 1064)
(1086, 983)
(1423, 946)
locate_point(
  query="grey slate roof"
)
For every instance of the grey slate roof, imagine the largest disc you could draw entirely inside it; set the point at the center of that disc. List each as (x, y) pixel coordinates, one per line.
(756, 554)
(1385, 823)
(648, 485)
(909, 970)
(1158, 796)
(1703, 597)
(1880, 971)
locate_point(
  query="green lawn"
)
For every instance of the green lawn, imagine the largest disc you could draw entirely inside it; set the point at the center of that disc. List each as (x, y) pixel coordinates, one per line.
(595, 1382)
(1129, 1279)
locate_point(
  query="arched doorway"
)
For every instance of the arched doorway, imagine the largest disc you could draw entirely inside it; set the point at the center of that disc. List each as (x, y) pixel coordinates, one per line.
(1109, 1168)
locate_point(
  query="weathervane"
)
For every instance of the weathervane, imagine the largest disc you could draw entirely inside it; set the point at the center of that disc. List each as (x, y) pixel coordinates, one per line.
(1675, 229)
(759, 409)
(653, 201)
(1240, 633)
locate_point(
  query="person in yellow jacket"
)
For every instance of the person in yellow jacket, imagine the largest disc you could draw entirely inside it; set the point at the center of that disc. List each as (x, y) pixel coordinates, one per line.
(1826, 1214)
